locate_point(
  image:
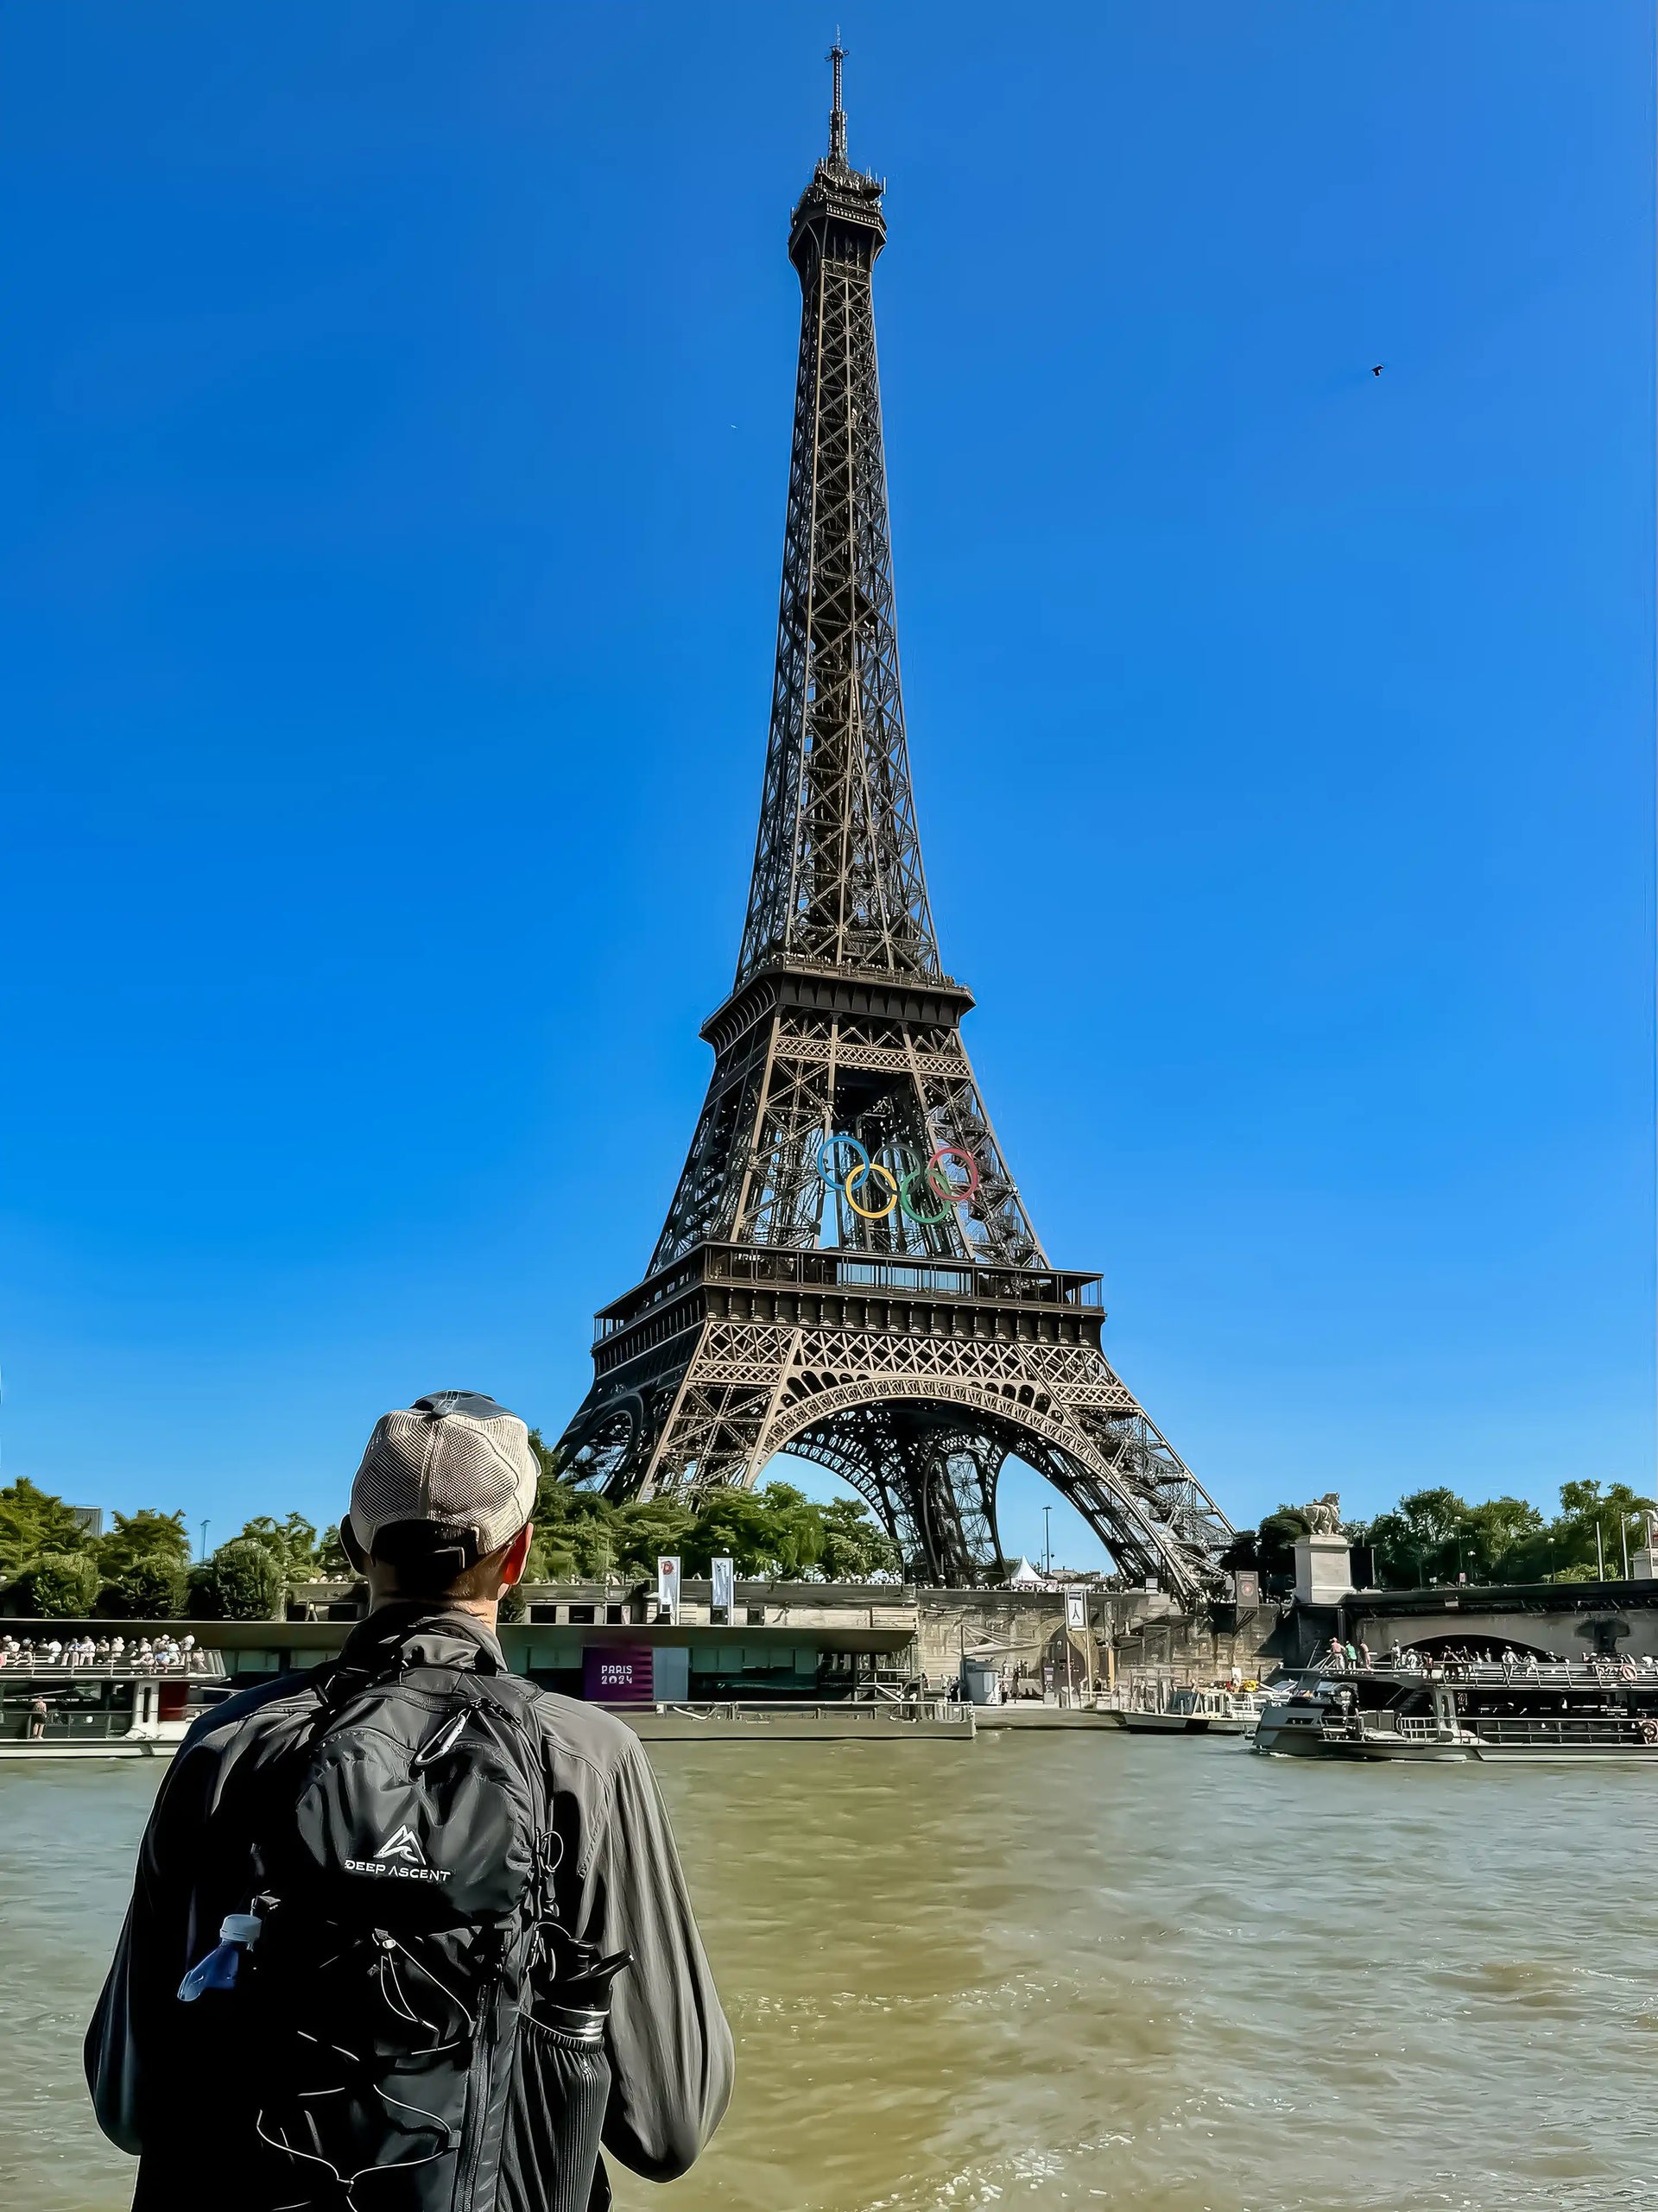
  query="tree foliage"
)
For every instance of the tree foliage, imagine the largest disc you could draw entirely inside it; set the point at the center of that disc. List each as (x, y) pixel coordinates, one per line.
(61, 1585)
(1433, 1535)
(33, 1523)
(145, 1537)
(292, 1543)
(776, 1533)
(146, 1589)
(242, 1581)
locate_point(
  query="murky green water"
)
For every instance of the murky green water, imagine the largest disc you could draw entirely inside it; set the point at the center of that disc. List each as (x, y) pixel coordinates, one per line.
(1057, 1969)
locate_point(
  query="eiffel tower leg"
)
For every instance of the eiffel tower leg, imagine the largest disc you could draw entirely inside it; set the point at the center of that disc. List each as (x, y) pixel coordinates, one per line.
(956, 1508)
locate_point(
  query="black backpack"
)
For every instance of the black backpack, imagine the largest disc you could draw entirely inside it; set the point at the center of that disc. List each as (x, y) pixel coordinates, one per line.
(419, 2033)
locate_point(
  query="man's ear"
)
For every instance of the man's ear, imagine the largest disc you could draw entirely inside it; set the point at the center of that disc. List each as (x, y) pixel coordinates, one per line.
(350, 1546)
(512, 1566)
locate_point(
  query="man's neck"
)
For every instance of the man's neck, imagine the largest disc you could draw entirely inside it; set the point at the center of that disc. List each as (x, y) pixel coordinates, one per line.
(486, 1610)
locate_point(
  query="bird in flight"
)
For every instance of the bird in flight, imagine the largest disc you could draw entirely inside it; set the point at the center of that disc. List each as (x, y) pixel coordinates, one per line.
(1379, 367)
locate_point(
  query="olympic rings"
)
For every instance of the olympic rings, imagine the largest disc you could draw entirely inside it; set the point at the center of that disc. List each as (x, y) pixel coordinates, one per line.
(900, 1188)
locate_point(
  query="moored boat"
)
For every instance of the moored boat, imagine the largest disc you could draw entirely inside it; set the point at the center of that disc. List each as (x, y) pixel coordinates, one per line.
(1219, 1711)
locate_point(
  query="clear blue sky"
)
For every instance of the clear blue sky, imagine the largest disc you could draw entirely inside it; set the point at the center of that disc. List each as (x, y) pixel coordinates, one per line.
(394, 434)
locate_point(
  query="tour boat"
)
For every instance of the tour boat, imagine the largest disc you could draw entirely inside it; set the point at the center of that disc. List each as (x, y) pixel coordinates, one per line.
(122, 1708)
(1480, 1712)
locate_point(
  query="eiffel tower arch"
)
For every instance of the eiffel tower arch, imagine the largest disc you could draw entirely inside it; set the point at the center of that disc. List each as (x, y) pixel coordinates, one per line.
(847, 1270)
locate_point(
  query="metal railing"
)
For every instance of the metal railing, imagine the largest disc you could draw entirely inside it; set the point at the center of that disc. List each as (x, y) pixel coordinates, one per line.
(762, 1711)
(65, 1728)
(200, 1665)
(1523, 1674)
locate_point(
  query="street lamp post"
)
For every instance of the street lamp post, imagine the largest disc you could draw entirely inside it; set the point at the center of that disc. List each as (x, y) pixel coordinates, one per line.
(1047, 1540)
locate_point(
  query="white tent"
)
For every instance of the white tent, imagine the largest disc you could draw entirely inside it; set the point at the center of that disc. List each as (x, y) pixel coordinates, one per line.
(1025, 1577)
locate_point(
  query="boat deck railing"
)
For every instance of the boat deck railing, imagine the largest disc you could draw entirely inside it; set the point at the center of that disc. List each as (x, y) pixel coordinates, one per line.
(65, 1728)
(1523, 1674)
(201, 1667)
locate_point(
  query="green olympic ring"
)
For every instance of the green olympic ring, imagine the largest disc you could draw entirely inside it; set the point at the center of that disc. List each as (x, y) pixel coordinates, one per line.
(901, 1186)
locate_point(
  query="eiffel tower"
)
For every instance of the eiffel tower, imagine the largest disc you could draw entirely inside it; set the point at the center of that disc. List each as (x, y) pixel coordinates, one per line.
(847, 1271)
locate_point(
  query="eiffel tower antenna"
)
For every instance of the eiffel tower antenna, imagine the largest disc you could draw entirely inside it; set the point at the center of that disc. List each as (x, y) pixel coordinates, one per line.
(837, 113)
(848, 1270)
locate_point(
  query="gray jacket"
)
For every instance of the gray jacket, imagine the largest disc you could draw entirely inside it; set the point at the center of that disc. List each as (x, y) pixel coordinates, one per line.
(670, 2048)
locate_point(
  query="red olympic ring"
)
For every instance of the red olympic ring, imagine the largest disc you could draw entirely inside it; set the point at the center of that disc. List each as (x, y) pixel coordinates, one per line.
(942, 1186)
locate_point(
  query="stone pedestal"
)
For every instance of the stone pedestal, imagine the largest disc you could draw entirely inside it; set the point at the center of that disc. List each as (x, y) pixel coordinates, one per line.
(1640, 1567)
(1323, 1570)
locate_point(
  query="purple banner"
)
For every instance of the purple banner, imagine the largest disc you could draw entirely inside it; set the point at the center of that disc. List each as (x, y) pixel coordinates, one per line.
(618, 1675)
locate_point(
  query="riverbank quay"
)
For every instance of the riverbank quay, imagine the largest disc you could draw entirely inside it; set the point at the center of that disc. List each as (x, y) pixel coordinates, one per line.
(779, 1644)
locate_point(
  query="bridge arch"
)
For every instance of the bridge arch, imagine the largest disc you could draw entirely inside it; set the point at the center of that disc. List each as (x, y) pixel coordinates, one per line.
(900, 1442)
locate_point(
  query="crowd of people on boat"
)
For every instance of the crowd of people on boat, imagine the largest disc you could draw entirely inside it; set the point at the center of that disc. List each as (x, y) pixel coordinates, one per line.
(1463, 1663)
(105, 1655)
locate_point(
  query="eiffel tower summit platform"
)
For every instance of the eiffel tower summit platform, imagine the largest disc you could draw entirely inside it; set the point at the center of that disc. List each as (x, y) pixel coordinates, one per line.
(848, 1271)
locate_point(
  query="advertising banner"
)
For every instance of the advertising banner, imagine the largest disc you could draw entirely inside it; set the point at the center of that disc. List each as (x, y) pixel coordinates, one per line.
(724, 1590)
(667, 1587)
(621, 1674)
(1076, 1609)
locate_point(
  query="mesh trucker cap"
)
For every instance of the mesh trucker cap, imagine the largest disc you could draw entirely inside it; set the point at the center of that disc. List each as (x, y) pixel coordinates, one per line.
(456, 1466)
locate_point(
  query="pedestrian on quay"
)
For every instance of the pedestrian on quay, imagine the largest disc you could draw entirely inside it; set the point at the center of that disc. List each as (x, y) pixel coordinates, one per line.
(453, 1933)
(36, 1720)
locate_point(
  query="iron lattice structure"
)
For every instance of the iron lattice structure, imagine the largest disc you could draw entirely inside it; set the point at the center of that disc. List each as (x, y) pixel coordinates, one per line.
(911, 1351)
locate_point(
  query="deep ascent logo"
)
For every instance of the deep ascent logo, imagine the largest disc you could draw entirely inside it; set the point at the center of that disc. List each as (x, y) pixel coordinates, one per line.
(400, 1856)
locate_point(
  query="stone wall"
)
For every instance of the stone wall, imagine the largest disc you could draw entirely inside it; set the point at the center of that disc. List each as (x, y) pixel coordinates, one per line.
(1018, 1630)
(1152, 1640)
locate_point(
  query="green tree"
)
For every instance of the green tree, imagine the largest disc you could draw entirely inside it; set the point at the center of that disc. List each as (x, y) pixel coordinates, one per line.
(1275, 1546)
(242, 1581)
(331, 1559)
(291, 1543)
(1568, 1547)
(795, 1530)
(1416, 1542)
(856, 1548)
(1243, 1553)
(144, 1536)
(61, 1585)
(146, 1589)
(576, 1535)
(645, 1530)
(32, 1524)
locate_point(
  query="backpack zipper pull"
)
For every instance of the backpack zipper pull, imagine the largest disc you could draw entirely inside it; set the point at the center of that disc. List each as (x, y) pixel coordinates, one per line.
(445, 1739)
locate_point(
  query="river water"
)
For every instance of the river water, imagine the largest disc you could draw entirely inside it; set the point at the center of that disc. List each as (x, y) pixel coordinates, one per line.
(1055, 1969)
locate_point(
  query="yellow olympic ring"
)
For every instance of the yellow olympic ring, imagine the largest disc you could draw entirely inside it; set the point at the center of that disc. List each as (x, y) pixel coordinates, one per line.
(861, 1174)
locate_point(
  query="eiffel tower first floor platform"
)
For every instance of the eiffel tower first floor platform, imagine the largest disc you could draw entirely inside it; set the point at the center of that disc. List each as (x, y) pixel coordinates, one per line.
(913, 1379)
